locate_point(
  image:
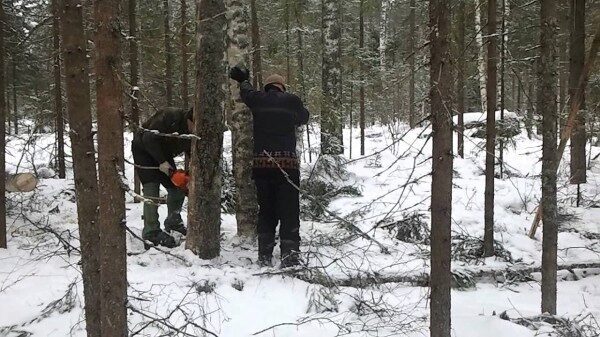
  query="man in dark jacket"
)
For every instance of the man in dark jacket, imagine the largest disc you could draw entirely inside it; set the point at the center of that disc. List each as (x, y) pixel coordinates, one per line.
(276, 173)
(154, 156)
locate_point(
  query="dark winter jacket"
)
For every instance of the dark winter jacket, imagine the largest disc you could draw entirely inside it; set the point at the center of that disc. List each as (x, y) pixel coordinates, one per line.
(161, 148)
(276, 115)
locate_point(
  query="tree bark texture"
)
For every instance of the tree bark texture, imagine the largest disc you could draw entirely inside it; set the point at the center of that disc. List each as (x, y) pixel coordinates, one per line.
(481, 67)
(58, 103)
(134, 118)
(460, 81)
(84, 161)
(168, 54)
(3, 110)
(15, 114)
(490, 131)
(300, 59)
(241, 123)
(441, 186)
(546, 102)
(361, 47)
(204, 205)
(111, 216)
(331, 119)
(411, 64)
(577, 59)
(256, 48)
(184, 56)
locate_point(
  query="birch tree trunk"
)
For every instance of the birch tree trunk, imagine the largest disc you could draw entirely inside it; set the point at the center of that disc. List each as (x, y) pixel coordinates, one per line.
(111, 210)
(441, 186)
(84, 161)
(204, 205)
(331, 139)
(546, 101)
(481, 66)
(241, 123)
(383, 34)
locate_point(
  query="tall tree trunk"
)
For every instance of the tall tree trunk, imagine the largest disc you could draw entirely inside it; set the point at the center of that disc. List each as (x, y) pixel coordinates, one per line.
(256, 48)
(481, 67)
(184, 56)
(411, 64)
(331, 140)
(58, 104)
(84, 161)
(490, 139)
(204, 205)
(460, 82)
(300, 59)
(15, 115)
(3, 110)
(503, 43)
(111, 216)
(546, 101)
(133, 64)
(577, 56)
(361, 47)
(563, 52)
(383, 35)
(441, 186)
(241, 123)
(168, 54)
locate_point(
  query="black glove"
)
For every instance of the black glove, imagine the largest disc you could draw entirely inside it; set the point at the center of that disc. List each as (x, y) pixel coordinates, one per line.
(239, 73)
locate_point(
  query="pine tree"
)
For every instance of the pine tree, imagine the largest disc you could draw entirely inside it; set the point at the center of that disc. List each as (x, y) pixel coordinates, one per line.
(411, 63)
(577, 59)
(546, 105)
(460, 81)
(204, 205)
(490, 131)
(361, 47)
(2, 134)
(168, 54)
(58, 103)
(111, 210)
(441, 186)
(241, 123)
(184, 56)
(256, 47)
(134, 117)
(84, 161)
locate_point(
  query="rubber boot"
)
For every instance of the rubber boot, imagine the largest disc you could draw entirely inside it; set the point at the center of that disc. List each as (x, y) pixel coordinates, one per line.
(151, 222)
(174, 222)
(290, 253)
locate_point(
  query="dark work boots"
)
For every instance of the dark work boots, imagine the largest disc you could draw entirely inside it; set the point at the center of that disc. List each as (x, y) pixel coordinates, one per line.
(175, 223)
(159, 238)
(290, 253)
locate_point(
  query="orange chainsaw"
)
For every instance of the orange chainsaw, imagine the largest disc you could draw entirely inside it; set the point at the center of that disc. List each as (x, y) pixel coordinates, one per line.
(181, 179)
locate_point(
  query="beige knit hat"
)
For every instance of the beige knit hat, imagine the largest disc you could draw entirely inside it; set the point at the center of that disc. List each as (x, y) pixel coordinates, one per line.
(275, 79)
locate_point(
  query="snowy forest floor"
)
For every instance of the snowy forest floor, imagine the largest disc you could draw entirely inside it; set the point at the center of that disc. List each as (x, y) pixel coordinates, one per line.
(352, 285)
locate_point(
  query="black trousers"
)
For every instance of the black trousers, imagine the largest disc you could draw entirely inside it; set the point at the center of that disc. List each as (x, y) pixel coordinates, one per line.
(279, 202)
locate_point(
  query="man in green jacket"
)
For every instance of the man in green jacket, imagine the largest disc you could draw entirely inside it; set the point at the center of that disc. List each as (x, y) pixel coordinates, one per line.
(154, 155)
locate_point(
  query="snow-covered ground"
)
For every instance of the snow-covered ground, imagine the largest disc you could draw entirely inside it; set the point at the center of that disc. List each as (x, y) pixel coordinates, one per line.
(40, 280)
